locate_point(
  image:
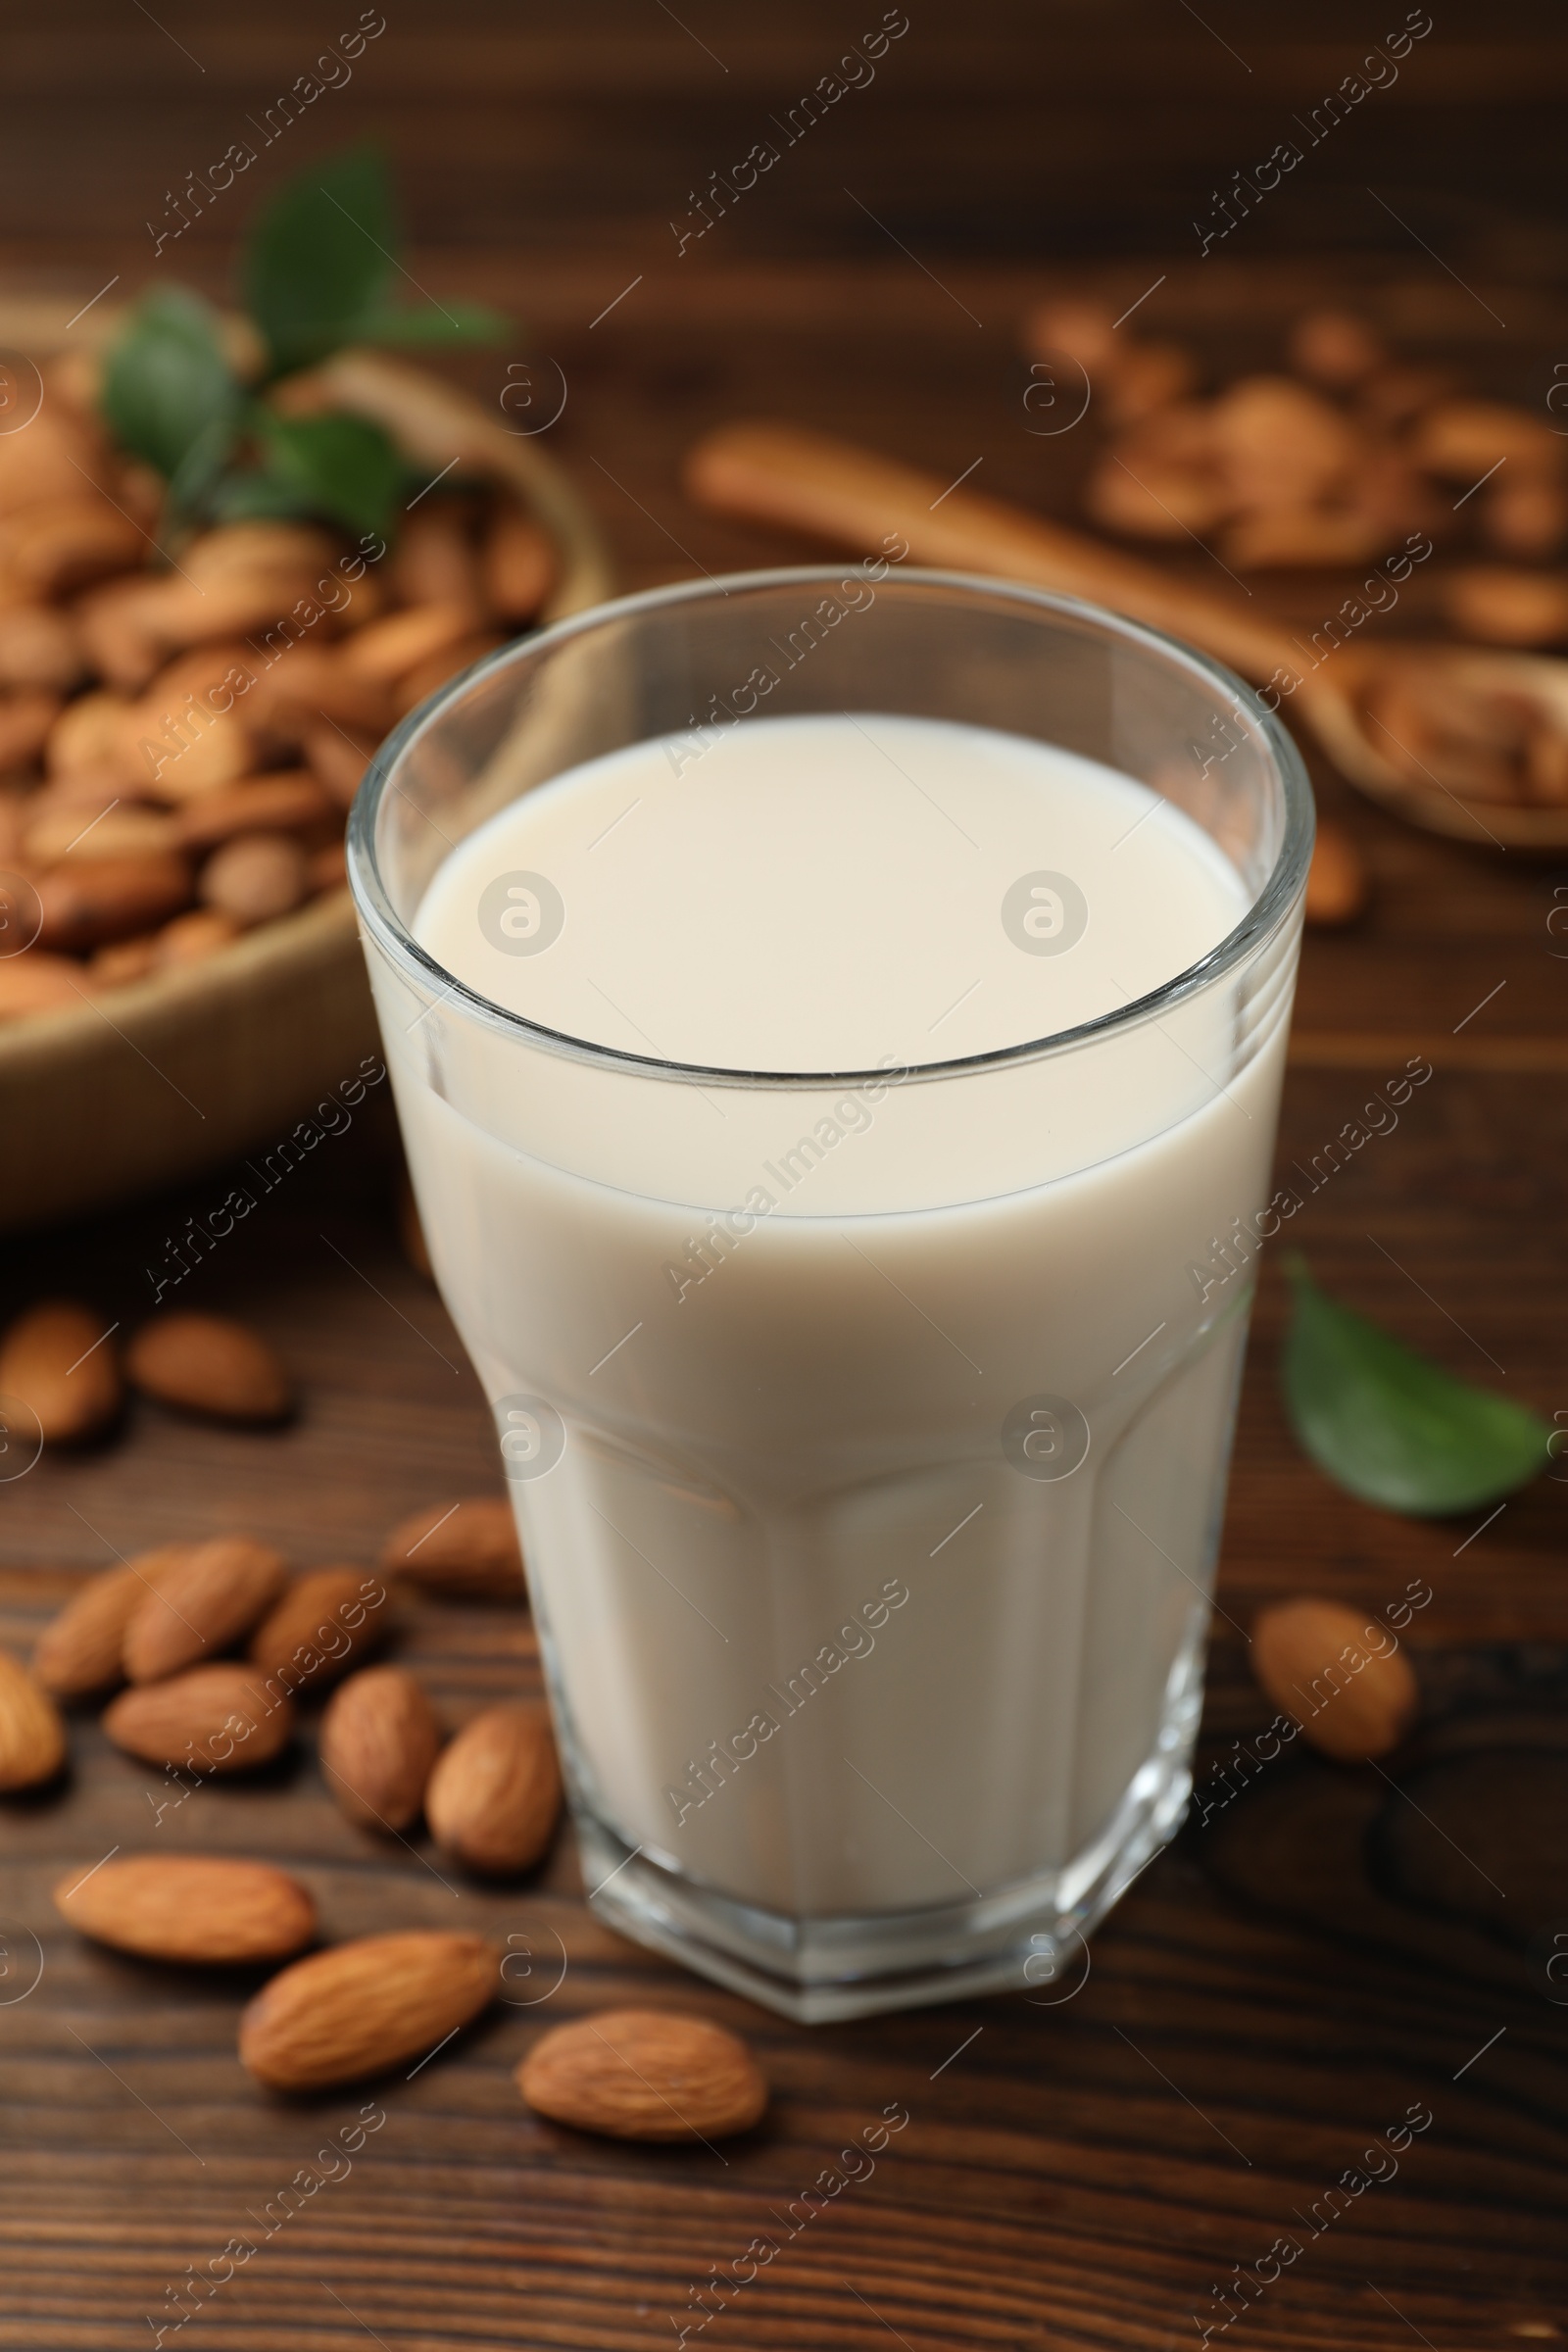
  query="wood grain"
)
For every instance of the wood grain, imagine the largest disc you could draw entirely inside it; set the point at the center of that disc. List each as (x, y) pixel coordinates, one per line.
(1322, 1948)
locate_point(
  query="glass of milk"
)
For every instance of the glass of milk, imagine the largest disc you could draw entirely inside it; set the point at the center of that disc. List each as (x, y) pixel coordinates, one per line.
(837, 1020)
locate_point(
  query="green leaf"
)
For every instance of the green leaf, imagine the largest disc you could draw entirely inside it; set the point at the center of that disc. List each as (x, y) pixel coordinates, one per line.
(167, 386)
(1388, 1426)
(261, 495)
(320, 258)
(341, 467)
(436, 323)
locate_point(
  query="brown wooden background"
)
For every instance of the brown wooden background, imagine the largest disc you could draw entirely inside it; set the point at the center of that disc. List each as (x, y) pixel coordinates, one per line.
(1327, 1950)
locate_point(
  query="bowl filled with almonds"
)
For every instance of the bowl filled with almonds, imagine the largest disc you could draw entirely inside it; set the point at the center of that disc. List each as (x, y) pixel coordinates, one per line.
(234, 551)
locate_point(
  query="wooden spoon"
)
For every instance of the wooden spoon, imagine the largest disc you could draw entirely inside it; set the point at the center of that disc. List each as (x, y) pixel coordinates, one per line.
(807, 481)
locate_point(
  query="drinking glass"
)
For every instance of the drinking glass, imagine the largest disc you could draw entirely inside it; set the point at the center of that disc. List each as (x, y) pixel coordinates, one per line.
(869, 1537)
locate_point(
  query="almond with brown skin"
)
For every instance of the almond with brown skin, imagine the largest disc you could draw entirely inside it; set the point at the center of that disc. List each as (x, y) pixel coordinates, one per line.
(363, 2007)
(256, 877)
(28, 719)
(495, 1794)
(1339, 1674)
(32, 1737)
(191, 938)
(90, 900)
(645, 2074)
(322, 1625)
(199, 1908)
(212, 1719)
(81, 1650)
(40, 646)
(34, 982)
(425, 676)
(201, 1605)
(58, 1360)
(469, 1548)
(338, 757)
(384, 650)
(1337, 884)
(211, 1366)
(276, 803)
(379, 1738)
(519, 564)
(59, 544)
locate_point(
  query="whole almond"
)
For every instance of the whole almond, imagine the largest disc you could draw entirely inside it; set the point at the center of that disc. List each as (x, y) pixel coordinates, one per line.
(212, 1719)
(211, 1366)
(59, 1359)
(322, 1625)
(191, 938)
(201, 1605)
(1335, 1672)
(519, 564)
(256, 877)
(495, 1794)
(379, 1737)
(645, 2074)
(34, 982)
(363, 2007)
(469, 1548)
(1337, 884)
(387, 649)
(278, 802)
(90, 900)
(80, 1651)
(28, 719)
(191, 1907)
(32, 1737)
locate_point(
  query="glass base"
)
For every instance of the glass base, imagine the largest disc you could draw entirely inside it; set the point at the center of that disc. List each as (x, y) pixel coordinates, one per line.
(1029, 1937)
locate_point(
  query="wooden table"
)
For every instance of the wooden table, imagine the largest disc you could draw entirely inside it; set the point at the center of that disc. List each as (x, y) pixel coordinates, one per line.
(1326, 1951)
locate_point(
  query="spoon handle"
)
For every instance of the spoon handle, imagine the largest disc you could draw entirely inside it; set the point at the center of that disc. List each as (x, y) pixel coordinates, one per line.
(807, 481)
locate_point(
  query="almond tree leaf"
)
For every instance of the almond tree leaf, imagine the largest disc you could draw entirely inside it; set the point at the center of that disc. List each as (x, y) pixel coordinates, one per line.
(168, 385)
(322, 258)
(1390, 1426)
(343, 467)
(436, 323)
(259, 495)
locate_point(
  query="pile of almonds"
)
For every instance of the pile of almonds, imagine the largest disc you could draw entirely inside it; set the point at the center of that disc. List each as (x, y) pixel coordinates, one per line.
(1335, 462)
(178, 745)
(491, 1796)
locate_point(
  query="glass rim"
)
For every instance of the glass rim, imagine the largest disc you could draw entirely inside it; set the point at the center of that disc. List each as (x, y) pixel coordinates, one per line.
(1262, 920)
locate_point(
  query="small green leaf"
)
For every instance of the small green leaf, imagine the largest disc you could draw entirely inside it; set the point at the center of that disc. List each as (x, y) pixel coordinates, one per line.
(1388, 1426)
(167, 386)
(255, 496)
(320, 258)
(434, 323)
(341, 467)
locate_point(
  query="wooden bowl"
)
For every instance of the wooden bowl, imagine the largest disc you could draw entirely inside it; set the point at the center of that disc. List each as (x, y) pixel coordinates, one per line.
(158, 1080)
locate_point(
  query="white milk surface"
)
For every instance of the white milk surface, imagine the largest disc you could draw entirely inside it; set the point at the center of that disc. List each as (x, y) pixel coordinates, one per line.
(825, 1637)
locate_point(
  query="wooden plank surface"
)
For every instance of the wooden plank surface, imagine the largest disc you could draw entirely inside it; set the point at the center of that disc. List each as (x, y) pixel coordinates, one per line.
(1315, 1956)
